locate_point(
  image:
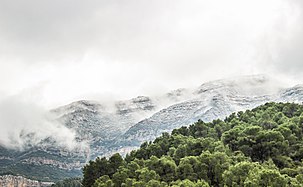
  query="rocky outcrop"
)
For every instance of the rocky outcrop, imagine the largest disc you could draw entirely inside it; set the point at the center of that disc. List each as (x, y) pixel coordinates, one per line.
(19, 181)
(44, 161)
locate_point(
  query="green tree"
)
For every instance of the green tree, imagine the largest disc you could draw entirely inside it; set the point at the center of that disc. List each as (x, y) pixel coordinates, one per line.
(266, 177)
(237, 174)
(103, 181)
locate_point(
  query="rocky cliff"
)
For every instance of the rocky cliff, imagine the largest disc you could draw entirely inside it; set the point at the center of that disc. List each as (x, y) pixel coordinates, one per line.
(19, 181)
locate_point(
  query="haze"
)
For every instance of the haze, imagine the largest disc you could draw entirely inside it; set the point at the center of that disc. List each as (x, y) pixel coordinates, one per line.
(53, 52)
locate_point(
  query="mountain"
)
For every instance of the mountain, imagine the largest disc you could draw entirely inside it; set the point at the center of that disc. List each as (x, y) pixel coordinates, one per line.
(95, 124)
(103, 128)
(211, 100)
(258, 147)
(99, 124)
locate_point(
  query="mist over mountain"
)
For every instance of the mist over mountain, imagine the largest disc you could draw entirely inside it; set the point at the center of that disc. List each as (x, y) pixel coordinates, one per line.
(121, 126)
(25, 124)
(82, 79)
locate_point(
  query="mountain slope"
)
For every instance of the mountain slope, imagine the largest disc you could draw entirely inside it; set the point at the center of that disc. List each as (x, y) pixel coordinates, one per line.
(103, 128)
(258, 147)
(95, 124)
(211, 100)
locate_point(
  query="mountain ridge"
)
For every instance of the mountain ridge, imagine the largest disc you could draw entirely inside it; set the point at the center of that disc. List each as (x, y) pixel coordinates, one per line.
(122, 126)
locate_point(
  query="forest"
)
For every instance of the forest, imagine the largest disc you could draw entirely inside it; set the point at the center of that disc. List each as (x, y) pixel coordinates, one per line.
(258, 147)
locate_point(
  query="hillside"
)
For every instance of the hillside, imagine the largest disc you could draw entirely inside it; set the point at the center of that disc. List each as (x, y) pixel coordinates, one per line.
(258, 147)
(104, 127)
(211, 100)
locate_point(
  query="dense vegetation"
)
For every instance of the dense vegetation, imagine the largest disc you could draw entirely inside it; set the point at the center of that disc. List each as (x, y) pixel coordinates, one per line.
(259, 147)
(16, 166)
(39, 172)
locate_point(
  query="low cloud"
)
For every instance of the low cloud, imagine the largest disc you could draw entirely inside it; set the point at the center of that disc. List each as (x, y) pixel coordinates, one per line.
(78, 49)
(24, 123)
(279, 49)
(132, 47)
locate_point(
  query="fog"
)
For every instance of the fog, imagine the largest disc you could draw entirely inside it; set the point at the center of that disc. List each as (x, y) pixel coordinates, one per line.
(54, 52)
(23, 123)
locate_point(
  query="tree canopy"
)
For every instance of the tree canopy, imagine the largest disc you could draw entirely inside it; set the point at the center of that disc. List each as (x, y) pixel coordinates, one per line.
(258, 147)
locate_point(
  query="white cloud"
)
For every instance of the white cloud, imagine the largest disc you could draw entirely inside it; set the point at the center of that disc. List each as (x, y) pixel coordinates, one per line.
(23, 122)
(77, 49)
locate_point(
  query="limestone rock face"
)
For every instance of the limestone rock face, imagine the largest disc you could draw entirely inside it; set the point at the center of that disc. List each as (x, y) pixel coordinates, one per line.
(19, 181)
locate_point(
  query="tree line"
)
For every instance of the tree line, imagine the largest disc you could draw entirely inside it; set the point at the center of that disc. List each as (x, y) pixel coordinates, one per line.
(258, 147)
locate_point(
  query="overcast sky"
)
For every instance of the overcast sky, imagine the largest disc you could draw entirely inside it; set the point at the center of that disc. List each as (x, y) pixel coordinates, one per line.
(57, 51)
